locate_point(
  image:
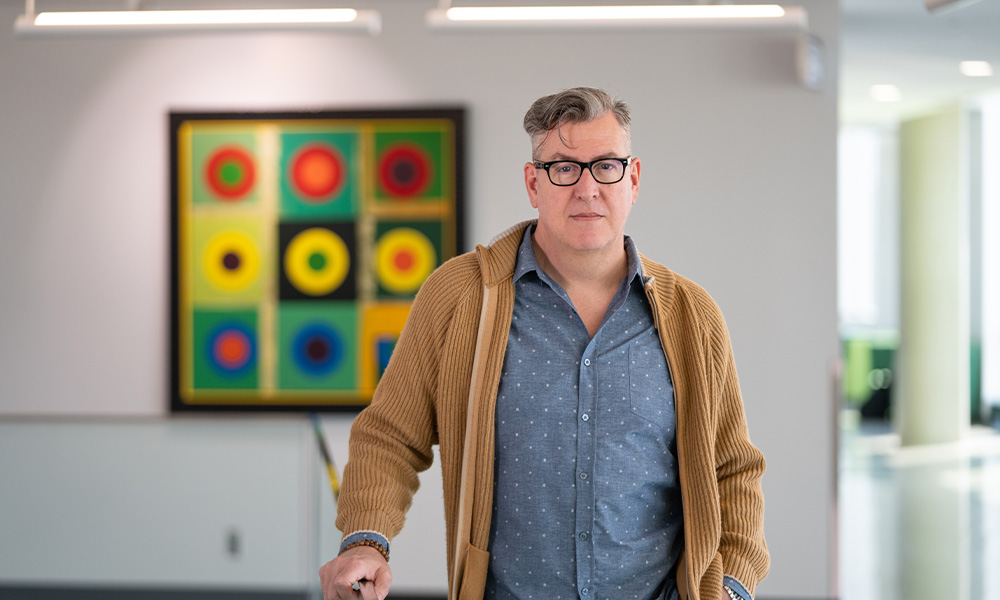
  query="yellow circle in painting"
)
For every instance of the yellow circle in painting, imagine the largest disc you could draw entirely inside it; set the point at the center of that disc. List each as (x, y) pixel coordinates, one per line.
(404, 258)
(317, 261)
(231, 260)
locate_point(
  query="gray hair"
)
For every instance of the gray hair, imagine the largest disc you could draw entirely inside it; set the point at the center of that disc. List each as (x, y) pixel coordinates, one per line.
(575, 105)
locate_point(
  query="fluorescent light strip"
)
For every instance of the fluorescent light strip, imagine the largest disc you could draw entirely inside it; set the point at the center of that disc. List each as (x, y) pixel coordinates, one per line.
(549, 13)
(657, 16)
(155, 20)
(194, 17)
(975, 68)
(885, 93)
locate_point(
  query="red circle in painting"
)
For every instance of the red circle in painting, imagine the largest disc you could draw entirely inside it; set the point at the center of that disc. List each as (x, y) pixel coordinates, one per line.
(232, 349)
(230, 172)
(405, 169)
(404, 260)
(317, 171)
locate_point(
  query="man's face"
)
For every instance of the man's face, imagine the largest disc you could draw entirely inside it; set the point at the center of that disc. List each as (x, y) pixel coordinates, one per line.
(587, 216)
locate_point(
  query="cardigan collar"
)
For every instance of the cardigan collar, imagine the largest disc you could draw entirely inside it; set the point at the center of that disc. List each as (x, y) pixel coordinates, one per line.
(498, 259)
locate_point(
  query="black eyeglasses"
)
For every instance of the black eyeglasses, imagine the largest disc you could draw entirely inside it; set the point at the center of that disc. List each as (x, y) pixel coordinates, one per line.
(568, 172)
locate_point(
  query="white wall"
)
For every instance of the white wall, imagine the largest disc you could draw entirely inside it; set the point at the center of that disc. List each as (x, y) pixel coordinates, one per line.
(738, 193)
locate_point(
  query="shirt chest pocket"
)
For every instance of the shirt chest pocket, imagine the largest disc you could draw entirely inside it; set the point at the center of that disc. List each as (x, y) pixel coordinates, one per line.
(651, 391)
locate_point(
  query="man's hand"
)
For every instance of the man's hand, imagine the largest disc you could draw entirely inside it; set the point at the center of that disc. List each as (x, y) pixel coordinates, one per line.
(361, 563)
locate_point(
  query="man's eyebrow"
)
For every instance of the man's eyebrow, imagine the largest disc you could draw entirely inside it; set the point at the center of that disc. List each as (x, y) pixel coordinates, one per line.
(561, 156)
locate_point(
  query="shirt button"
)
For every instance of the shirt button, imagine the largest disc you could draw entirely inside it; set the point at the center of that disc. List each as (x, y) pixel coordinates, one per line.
(584, 536)
(585, 417)
(584, 591)
(583, 476)
(586, 362)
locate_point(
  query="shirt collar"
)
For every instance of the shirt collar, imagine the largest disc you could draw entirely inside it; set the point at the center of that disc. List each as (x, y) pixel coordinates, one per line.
(528, 262)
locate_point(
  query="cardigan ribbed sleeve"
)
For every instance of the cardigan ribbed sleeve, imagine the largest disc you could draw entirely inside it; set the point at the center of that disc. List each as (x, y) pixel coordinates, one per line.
(391, 440)
(740, 466)
(721, 469)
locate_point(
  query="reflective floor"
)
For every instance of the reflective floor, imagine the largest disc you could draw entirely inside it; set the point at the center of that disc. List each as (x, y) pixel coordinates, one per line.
(918, 523)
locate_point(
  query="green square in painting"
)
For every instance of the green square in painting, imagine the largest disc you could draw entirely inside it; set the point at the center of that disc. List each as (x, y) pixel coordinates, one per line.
(406, 253)
(225, 168)
(319, 175)
(317, 346)
(224, 353)
(409, 166)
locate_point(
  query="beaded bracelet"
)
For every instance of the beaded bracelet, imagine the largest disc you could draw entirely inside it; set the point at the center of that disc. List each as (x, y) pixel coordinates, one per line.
(371, 544)
(732, 594)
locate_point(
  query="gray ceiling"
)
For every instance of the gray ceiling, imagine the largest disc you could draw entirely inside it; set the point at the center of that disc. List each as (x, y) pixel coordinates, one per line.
(899, 42)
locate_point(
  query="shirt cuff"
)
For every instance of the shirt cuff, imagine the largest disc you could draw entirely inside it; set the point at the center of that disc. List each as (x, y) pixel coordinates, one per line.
(734, 584)
(360, 536)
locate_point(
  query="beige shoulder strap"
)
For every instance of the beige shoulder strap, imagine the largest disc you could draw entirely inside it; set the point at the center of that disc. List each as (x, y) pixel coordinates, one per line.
(463, 534)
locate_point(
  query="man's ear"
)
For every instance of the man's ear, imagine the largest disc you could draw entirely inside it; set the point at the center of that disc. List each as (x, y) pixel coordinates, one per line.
(634, 168)
(531, 183)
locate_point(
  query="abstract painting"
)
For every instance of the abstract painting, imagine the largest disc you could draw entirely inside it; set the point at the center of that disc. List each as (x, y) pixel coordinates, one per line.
(299, 240)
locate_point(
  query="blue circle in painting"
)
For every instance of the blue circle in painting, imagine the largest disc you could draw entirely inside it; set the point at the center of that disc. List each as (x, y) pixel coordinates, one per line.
(318, 349)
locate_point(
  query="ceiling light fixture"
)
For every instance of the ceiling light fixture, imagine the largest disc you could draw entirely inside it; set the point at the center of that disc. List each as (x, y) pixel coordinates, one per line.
(164, 21)
(810, 53)
(759, 16)
(885, 93)
(975, 68)
(942, 6)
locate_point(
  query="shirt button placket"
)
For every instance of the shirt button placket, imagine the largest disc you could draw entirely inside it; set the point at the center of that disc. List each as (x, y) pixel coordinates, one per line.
(585, 464)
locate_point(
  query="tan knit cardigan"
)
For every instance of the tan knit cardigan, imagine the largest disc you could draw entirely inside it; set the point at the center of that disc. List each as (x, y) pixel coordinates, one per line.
(423, 395)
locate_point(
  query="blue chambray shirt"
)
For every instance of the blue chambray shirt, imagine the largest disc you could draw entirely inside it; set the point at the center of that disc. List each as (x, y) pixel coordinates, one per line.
(587, 493)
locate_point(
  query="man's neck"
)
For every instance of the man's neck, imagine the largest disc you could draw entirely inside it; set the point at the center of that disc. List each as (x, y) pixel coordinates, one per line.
(595, 270)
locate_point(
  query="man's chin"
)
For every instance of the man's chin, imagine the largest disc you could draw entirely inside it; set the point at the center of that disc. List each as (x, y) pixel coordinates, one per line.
(591, 245)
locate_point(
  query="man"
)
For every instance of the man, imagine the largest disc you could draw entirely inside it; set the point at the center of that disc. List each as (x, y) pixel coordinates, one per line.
(584, 398)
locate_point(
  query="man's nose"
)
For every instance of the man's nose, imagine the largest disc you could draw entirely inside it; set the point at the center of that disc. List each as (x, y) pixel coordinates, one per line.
(587, 187)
